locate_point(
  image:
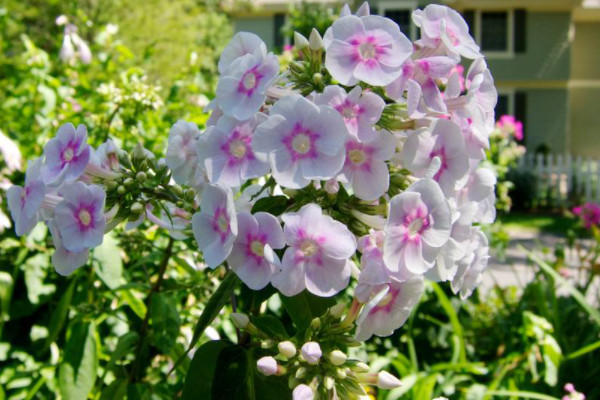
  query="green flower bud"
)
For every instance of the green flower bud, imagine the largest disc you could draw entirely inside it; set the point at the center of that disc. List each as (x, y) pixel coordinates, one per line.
(141, 176)
(137, 208)
(337, 357)
(317, 78)
(190, 194)
(129, 182)
(287, 349)
(121, 189)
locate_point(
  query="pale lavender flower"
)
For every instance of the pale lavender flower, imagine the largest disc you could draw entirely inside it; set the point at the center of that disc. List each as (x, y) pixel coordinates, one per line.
(252, 257)
(25, 203)
(311, 352)
(267, 366)
(472, 266)
(374, 271)
(365, 168)
(418, 225)
(80, 216)
(317, 258)
(182, 154)
(370, 49)
(241, 44)
(444, 27)
(480, 189)
(444, 140)
(388, 308)
(66, 155)
(73, 45)
(65, 262)
(241, 92)
(419, 80)
(303, 392)
(226, 152)
(303, 141)
(360, 110)
(215, 226)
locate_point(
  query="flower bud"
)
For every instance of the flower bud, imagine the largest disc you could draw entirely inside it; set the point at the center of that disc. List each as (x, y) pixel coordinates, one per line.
(177, 190)
(317, 78)
(332, 186)
(111, 185)
(241, 321)
(385, 380)
(328, 382)
(338, 310)
(141, 176)
(300, 373)
(121, 189)
(359, 366)
(315, 324)
(337, 357)
(311, 351)
(137, 207)
(315, 41)
(124, 159)
(190, 194)
(303, 392)
(129, 182)
(267, 366)
(341, 374)
(287, 349)
(300, 42)
(267, 344)
(138, 152)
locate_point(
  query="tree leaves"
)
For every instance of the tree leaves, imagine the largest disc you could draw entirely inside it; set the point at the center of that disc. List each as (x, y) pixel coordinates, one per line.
(77, 373)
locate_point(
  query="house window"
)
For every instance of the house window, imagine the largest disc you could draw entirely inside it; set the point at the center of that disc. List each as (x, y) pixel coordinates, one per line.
(494, 32)
(505, 104)
(401, 13)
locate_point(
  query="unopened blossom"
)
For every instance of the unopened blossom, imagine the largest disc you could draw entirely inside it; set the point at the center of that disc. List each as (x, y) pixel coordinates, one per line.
(80, 216)
(311, 352)
(471, 267)
(226, 152)
(480, 189)
(252, 257)
(65, 262)
(317, 259)
(443, 139)
(370, 49)
(66, 155)
(365, 168)
(444, 27)
(241, 92)
(241, 44)
(388, 308)
(419, 80)
(106, 156)
(25, 202)
(360, 109)
(287, 349)
(418, 225)
(73, 45)
(303, 392)
(182, 154)
(215, 226)
(385, 380)
(302, 140)
(267, 366)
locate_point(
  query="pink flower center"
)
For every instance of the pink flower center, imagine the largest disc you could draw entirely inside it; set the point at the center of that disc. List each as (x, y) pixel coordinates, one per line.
(308, 247)
(358, 155)
(301, 143)
(387, 302)
(415, 223)
(220, 223)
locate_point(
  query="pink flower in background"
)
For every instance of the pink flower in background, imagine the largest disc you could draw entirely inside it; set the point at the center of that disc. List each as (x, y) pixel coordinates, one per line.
(215, 226)
(443, 26)
(303, 141)
(66, 155)
(388, 308)
(80, 216)
(252, 257)
(370, 49)
(25, 203)
(226, 152)
(510, 125)
(589, 213)
(317, 258)
(418, 225)
(360, 110)
(365, 168)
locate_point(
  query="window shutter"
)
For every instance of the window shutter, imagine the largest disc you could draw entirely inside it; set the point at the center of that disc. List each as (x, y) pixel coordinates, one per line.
(469, 16)
(520, 31)
(278, 22)
(521, 111)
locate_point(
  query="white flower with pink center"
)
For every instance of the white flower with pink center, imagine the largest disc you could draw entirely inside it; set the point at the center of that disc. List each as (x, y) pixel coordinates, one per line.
(444, 140)
(241, 44)
(370, 49)
(373, 269)
(473, 265)
(318, 256)
(242, 90)
(252, 257)
(302, 140)
(215, 226)
(66, 155)
(226, 152)
(419, 79)
(182, 155)
(388, 308)
(365, 168)
(63, 260)
(443, 26)
(360, 110)
(80, 216)
(480, 189)
(25, 202)
(418, 225)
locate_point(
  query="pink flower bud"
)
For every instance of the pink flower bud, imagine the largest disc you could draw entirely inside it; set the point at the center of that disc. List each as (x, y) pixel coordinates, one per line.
(303, 392)
(311, 351)
(385, 380)
(267, 366)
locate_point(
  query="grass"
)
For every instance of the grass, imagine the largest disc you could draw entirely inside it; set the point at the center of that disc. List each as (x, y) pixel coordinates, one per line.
(538, 223)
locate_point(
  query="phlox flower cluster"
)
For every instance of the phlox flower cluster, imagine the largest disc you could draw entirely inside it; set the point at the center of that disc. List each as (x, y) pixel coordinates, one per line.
(589, 213)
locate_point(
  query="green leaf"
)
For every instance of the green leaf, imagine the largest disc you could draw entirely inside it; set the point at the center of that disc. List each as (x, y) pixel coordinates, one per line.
(520, 394)
(36, 269)
(199, 379)
(77, 372)
(59, 315)
(165, 321)
(109, 265)
(126, 344)
(135, 303)
(116, 390)
(271, 326)
(453, 317)
(275, 205)
(580, 298)
(6, 284)
(304, 307)
(584, 350)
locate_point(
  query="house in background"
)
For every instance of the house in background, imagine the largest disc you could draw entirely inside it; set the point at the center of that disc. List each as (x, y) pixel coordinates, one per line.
(544, 56)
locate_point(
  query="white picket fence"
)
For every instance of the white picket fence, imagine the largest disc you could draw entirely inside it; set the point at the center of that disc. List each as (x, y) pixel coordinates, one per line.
(564, 179)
